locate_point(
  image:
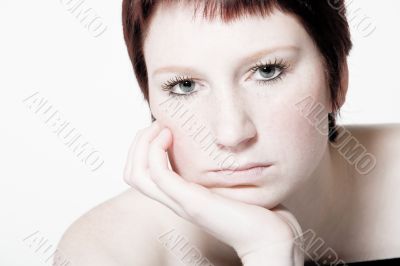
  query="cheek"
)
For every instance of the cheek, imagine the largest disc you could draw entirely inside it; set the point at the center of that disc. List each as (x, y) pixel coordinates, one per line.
(187, 153)
(182, 153)
(193, 149)
(298, 141)
(291, 138)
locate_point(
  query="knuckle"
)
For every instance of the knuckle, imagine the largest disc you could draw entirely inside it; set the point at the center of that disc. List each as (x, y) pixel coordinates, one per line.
(129, 179)
(131, 182)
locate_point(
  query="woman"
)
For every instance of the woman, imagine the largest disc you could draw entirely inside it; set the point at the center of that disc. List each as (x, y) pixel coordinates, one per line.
(243, 163)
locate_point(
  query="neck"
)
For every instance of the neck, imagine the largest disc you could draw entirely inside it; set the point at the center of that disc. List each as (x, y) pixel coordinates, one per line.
(319, 204)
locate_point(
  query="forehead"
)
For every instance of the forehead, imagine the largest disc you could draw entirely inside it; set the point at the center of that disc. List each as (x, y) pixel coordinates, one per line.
(176, 35)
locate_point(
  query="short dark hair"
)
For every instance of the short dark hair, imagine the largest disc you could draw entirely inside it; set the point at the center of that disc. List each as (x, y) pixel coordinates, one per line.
(324, 20)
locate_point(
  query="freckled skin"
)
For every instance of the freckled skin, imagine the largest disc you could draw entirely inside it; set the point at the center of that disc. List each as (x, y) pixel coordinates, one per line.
(252, 122)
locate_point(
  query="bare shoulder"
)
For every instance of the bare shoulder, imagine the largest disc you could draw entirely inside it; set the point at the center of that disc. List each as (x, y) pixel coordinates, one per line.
(120, 231)
(376, 133)
(372, 213)
(377, 144)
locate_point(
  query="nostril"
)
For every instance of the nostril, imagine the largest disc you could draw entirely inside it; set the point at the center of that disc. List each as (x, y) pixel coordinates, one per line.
(235, 142)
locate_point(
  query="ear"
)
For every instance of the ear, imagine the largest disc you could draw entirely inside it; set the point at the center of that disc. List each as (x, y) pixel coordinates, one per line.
(344, 84)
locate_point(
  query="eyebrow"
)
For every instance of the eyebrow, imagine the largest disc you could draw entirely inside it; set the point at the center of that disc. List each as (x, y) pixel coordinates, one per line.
(246, 60)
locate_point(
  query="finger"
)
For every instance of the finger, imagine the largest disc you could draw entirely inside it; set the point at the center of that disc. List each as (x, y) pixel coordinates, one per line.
(206, 209)
(138, 174)
(139, 153)
(182, 192)
(128, 163)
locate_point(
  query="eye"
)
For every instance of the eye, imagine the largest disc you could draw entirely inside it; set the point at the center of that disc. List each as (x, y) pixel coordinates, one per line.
(269, 71)
(180, 86)
(186, 86)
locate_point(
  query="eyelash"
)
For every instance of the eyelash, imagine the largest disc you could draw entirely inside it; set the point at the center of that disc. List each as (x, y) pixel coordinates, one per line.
(281, 65)
(169, 85)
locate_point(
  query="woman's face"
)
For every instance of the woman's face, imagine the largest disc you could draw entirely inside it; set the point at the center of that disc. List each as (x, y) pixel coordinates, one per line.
(236, 111)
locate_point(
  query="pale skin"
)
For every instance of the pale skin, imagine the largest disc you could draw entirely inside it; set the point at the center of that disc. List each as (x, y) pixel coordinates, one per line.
(253, 122)
(245, 232)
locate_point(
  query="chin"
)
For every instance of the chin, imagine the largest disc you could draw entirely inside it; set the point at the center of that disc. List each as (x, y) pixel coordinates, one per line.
(252, 195)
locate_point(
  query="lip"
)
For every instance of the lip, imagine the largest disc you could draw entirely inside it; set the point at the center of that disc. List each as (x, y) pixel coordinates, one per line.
(241, 168)
(243, 176)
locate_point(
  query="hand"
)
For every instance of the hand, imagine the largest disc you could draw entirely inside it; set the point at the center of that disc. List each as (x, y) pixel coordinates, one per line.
(249, 229)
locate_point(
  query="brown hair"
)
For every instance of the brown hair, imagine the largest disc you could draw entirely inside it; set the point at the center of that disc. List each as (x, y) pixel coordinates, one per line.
(324, 20)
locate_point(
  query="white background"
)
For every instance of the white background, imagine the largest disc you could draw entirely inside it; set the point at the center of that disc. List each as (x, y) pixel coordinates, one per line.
(44, 187)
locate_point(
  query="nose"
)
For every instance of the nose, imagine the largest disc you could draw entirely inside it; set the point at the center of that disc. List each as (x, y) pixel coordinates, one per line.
(233, 127)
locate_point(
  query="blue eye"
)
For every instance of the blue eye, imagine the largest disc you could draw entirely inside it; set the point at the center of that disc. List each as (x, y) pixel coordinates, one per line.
(180, 87)
(269, 72)
(187, 86)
